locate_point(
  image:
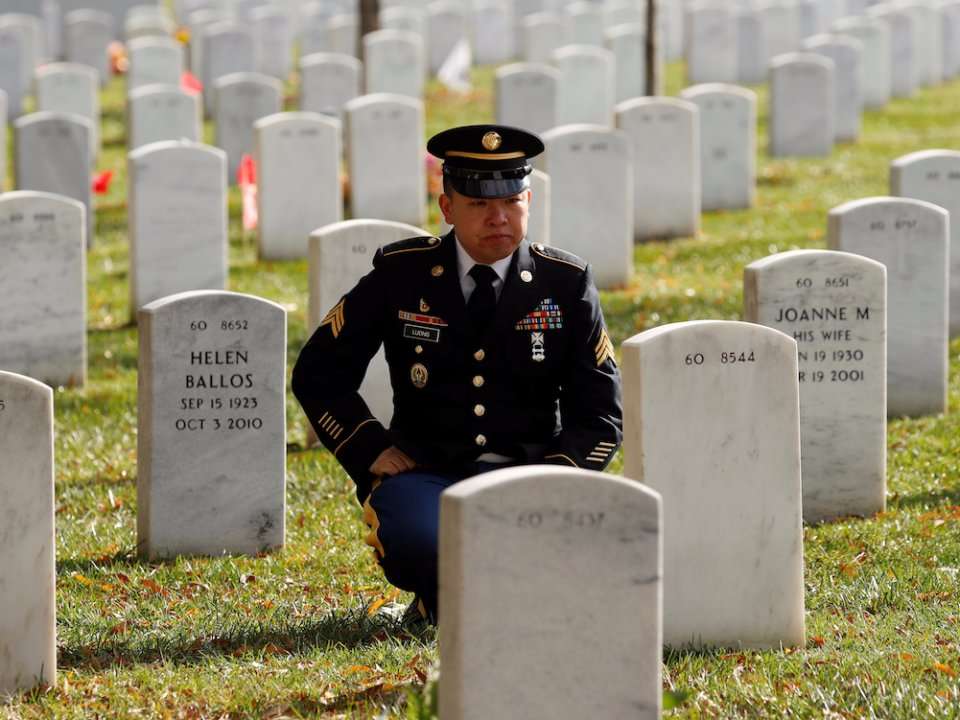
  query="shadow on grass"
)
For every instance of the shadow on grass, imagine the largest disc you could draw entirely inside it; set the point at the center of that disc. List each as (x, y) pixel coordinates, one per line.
(280, 636)
(934, 498)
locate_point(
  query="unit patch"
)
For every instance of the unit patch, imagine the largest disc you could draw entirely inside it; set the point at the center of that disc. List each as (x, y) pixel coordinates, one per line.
(416, 332)
(547, 316)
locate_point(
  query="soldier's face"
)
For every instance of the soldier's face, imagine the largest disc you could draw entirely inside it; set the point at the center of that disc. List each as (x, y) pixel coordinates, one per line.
(488, 229)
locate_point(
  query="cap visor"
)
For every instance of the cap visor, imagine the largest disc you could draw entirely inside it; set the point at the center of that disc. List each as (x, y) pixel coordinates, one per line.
(491, 189)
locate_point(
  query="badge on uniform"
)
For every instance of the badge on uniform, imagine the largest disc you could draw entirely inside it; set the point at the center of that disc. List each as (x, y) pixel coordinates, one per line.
(536, 340)
(418, 326)
(546, 316)
(419, 375)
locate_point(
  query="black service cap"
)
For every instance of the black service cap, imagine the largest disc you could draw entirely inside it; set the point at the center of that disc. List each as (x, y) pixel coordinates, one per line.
(486, 161)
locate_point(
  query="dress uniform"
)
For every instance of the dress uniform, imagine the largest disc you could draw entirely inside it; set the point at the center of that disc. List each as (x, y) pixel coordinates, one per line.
(521, 372)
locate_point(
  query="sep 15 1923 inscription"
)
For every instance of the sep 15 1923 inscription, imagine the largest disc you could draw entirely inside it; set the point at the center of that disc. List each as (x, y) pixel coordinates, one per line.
(834, 305)
(212, 425)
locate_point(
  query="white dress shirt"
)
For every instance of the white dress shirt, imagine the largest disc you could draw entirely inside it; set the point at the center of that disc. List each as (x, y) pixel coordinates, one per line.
(465, 264)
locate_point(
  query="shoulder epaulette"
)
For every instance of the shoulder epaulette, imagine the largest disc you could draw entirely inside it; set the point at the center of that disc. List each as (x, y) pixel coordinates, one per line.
(558, 255)
(414, 244)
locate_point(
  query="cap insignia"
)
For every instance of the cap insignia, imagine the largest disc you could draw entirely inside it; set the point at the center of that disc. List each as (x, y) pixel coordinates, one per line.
(492, 140)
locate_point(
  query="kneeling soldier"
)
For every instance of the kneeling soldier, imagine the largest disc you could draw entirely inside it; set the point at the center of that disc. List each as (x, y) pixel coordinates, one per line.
(497, 349)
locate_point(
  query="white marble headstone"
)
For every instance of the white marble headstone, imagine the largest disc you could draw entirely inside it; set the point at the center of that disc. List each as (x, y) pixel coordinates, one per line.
(298, 181)
(665, 134)
(728, 144)
(877, 64)
(273, 38)
(911, 238)
(227, 49)
(178, 220)
(162, 112)
(28, 623)
(197, 23)
(43, 295)
(211, 444)
(934, 176)
(712, 44)
(540, 34)
(903, 76)
(384, 140)
(927, 40)
(52, 154)
(780, 26)
(491, 23)
(340, 254)
(242, 99)
(582, 23)
(834, 305)
(406, 18)
(343, 34)
(29, 30)
(154, 61)
(847, 55)
(87, 36)
(394, 63)
(71, 88)
(12, 59)
(328, 82)
(752, 59)
(591, 198)
(802, 101)
(951, 38)
(526, 96)
(712, 423)
(446, 27)
(586, 86)
(3, 140)
(575, 557)
(538, 225)
(628, 45)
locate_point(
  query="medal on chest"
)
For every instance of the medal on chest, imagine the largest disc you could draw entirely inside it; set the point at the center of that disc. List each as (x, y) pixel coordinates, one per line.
(537, 343)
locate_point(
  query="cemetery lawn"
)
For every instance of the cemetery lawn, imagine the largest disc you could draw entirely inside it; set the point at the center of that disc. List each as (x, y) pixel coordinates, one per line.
(295, 633)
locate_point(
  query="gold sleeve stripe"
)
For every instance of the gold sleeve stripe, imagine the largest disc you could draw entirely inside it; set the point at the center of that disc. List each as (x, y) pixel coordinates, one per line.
(330, 421)
(324, 417)
(606, 444)
(350, 436)
(338, 433)
(560, 455)
(604, 349)
(335, 318)
(595, 456)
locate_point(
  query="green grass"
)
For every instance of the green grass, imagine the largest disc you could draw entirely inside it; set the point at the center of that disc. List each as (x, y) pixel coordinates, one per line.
(288, 633)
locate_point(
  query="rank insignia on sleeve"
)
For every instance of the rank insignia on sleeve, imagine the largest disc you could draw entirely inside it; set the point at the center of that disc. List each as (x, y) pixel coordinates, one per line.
(547, 316)
(335, 318)
(604, 349)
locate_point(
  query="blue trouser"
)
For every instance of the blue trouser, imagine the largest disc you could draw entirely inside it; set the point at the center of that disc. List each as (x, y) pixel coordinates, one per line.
(403, 514)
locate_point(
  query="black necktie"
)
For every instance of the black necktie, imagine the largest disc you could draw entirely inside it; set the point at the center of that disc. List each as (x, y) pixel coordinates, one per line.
(483, 300)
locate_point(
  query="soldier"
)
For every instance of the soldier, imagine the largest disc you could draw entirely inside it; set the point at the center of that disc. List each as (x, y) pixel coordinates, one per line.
(497, 349)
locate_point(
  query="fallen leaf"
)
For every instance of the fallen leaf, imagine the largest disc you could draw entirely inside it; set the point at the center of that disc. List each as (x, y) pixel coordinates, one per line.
(83, 580)
(357, 668)
(817, 641)
(906, 656)
(945, 669)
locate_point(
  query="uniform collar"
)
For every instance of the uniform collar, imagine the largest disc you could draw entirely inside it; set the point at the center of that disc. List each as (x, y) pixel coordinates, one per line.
(465, 263)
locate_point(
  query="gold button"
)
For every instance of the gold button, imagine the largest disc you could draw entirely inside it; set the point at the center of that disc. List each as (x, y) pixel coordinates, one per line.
(479, 410)
(478, 380)
(479, 355)
(437, 270)
(481, 440)
(418, 349)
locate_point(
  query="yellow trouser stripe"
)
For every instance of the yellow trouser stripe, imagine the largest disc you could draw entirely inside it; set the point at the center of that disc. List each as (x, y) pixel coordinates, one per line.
(373, 522)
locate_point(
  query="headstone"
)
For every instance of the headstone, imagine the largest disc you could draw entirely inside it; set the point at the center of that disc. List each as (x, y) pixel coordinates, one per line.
(728, 145)
(927, 41)
(582, 23)
(874, 35)
(394, 63)
(197, 23)
(903, 82)
(242, 99)
(178, 220)
(446, 28)
(538, 224)
(911, 238)
(88, 34)
(752, 59)
(148, 26)
(712, 45)
(154, 61)
(384, 140)
(28, 623)
(665, 135)
(810, 17)
(834, 305)
(42, 278)
(227, 49)
(625, 12)
(298, 181)
(934, 176)
(847, 56)
(328, 82)
(211, 444)
(30, 31)
(627, 43)
(3, 141)
(405, 18)
(524, 535)
(591, 198)
(273, 38)
(52, 154)
(540, 37)
(526, 96)
(586, 86)
(780, 26)
(71, 88)
(733, 541)
(342, 34)
(951, 39)
(340, 254)
(801, 105)
(163, 112)
(492, 32)
(13, 58)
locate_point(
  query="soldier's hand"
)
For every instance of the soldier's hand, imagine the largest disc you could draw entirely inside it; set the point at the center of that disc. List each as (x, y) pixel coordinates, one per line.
(392, 461)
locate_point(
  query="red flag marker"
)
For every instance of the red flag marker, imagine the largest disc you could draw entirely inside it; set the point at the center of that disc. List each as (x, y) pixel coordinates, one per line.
(101, 182)
(247, 180)
(190, 83)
